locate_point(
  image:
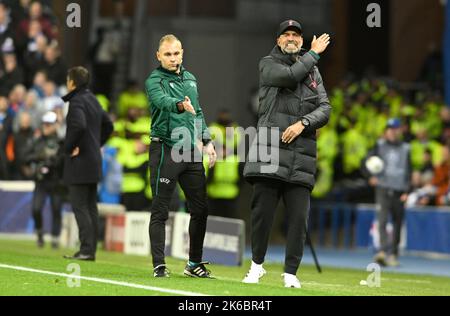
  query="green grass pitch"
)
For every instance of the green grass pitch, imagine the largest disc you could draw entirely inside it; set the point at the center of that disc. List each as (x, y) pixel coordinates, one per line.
(137, 271)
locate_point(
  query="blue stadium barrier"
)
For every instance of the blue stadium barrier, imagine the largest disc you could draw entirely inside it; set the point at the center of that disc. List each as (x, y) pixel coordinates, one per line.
(427, 228)
(341, 218)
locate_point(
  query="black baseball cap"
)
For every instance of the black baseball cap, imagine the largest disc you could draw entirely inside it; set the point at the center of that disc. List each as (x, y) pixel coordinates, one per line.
(289, 24)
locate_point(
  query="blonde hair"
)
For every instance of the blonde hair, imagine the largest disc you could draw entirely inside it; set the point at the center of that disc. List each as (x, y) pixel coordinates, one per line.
(168, 38)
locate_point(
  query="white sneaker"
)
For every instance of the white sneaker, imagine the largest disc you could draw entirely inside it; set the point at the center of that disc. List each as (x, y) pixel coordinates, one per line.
(256, 272)
(291, 281)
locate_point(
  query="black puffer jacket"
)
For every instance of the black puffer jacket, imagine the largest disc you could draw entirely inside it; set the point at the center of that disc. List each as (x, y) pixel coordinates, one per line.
(290, 89)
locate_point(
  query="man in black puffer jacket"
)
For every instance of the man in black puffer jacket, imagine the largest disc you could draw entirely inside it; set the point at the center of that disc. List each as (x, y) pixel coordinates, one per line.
(293, 105)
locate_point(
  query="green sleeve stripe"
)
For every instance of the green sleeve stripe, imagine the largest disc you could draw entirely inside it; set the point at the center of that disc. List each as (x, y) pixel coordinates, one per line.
(159, 168)
(315, 55)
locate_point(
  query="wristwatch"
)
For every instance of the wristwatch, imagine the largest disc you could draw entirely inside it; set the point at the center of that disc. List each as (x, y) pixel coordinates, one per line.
(305, 122)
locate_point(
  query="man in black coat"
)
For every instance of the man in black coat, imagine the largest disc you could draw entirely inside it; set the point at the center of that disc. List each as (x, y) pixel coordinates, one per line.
(88, 128)
(293, 105)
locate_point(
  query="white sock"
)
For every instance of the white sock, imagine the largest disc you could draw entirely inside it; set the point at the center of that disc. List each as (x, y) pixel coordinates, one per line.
(289, 276)
(256, 266)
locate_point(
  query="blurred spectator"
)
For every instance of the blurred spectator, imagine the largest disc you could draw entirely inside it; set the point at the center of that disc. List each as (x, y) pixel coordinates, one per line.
(103, 55)
(61, 113)
(432, 68)
(19, 12)
(420, 145)
(51, 98)
(224, 131)
(133, 156)
(408, 136)
(441, 177)
(34, 32)
(223, 183)
(23, 138)
(17, 98)
(35, 14)
(422, 188)
(38, 84)
(11, 74)
(54, 66)
(6, 120)
(6, 35)
(133, 96)
(33, 57)
(30, 107)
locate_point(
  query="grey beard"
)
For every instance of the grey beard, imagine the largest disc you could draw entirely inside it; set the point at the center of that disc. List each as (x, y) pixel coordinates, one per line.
(290, 53)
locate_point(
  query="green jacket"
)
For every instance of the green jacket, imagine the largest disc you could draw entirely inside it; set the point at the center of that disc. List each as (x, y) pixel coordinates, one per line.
(165, 90)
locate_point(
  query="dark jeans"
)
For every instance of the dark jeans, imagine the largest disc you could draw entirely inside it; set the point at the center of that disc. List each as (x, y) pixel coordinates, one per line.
(164, 174)
(296, 198)
(42, 190)
(84, 204)
(388, 203)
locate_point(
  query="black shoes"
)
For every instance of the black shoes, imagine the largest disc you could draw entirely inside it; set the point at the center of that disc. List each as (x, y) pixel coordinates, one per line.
(80, 256)
(198, 271)
(161, 271)
(40, 241)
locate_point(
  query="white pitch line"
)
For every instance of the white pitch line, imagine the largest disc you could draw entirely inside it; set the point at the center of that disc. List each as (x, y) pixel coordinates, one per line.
(407, 280)
(106, 281)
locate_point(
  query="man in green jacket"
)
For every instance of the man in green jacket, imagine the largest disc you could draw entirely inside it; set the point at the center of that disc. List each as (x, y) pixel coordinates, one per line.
(179, 135)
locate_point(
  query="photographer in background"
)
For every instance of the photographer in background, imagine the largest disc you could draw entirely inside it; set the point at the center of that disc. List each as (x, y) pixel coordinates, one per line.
(46, 158)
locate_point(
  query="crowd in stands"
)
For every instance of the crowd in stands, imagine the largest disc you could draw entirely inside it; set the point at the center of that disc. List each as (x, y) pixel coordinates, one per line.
(360, 112)
(32, 80)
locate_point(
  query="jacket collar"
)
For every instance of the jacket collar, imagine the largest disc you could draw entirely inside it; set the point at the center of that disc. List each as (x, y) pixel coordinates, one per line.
(72, 94)
(285, 58)
(171, 73)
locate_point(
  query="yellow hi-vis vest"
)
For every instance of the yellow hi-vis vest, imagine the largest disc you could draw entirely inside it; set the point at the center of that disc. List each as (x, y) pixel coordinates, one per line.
(224, 184)
(133, 182)
(219, 135)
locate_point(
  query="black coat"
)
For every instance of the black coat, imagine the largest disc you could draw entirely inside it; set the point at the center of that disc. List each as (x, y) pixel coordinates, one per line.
(88, 127)
(289, 91)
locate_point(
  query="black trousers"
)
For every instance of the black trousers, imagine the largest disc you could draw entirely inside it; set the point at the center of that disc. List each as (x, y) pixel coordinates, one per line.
(296, 198)
(164, 174)
(84, 204)
(223, 207)
(388, 203)
(135, 202)
(42, 190)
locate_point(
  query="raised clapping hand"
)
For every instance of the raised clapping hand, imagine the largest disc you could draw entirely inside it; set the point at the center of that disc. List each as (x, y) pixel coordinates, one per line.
(319, 45)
